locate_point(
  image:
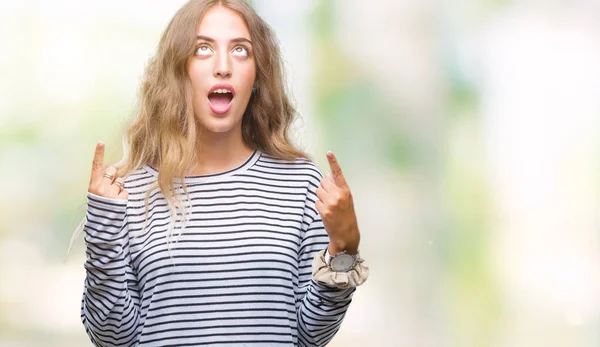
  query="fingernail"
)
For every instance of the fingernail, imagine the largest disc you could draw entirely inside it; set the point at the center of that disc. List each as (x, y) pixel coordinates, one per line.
(329, 153)
(328, 175)
(100, 143)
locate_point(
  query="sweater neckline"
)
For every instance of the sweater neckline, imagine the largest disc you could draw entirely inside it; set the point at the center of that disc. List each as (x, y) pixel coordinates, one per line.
(253, 158)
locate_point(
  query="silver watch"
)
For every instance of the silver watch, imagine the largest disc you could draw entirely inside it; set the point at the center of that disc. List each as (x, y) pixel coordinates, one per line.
(340, 262)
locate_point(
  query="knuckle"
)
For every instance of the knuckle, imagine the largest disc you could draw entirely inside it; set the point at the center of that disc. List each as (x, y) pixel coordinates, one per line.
(337, 198)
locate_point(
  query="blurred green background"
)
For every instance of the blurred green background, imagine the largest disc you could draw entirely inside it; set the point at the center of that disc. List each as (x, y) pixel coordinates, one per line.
(468, 131)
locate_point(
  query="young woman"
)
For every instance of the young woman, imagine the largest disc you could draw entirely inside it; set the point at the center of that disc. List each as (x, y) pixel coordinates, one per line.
(214, 229)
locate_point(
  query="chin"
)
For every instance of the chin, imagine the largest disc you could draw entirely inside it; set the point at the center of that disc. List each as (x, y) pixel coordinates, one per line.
(222, 124)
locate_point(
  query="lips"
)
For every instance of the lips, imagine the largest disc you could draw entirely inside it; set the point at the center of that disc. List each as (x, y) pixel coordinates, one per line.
(220, 98)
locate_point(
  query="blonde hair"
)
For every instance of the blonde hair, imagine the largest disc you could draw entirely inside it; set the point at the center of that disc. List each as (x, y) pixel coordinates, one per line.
(163, 133)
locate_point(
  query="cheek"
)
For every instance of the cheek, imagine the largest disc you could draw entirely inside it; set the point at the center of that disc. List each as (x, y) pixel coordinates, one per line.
(248, 75)
(250, 79)
(193, 80)
(195, 73)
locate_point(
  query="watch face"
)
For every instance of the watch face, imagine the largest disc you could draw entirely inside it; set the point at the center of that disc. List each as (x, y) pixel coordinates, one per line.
(342, 263)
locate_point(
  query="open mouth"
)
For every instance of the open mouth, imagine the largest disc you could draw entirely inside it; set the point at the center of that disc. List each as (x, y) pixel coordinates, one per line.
(219, 100)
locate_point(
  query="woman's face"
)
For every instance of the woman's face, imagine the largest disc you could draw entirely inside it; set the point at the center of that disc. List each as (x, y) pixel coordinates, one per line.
(222, 70)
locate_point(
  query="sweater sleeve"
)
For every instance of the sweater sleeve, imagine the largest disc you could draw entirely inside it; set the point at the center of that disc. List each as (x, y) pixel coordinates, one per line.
(320, 308)
(110, 303)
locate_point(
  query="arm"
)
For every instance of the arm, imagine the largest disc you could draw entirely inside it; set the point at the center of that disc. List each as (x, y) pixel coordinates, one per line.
(329, 214)
(110, 304)
(320, 308)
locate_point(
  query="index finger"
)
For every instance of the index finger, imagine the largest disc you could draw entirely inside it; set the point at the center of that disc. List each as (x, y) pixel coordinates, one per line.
(336, 170)
(98, 163)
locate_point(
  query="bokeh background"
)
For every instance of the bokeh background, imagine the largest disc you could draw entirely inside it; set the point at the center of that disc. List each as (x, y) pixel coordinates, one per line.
(468, 130)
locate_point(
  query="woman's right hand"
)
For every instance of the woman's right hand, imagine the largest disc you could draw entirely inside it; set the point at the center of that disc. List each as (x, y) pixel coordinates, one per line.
(105, 183)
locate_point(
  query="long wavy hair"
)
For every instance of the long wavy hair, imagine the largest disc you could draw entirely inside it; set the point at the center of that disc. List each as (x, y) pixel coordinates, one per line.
(163, 133)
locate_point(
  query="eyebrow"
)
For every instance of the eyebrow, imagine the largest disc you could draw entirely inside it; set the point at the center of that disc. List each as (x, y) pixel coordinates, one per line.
(210, 39)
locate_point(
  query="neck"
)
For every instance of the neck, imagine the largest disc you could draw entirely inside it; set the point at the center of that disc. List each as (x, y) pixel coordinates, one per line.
(220, 152)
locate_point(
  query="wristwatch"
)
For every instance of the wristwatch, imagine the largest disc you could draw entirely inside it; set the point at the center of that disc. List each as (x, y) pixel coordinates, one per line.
(340, 262)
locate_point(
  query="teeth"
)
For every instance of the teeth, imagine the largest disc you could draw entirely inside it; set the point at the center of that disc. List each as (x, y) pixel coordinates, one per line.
(221, 91)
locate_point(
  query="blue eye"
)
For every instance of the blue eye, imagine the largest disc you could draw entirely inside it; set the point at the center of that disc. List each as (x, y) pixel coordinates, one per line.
(240, 51)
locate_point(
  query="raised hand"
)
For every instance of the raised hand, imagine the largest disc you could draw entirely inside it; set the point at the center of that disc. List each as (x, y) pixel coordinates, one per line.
(336, 208)
(105, 182)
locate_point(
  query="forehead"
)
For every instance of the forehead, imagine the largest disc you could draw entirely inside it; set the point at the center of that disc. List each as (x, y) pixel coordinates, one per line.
(222, 23)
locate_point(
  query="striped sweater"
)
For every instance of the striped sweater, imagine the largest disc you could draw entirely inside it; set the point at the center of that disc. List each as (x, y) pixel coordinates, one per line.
(239, 274)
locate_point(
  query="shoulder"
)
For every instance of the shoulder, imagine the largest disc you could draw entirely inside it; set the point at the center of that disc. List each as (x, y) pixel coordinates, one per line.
(300, 172)
(139, 179)
(297, 167)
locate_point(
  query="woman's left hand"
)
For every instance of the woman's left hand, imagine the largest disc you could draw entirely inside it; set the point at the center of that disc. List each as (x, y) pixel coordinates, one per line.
(336, 208)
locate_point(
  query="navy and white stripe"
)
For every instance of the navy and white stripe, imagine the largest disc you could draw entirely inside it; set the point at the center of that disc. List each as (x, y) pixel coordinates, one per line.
(239, 274)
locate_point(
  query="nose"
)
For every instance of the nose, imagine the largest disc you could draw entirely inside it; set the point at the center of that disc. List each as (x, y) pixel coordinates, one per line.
(222, 66)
